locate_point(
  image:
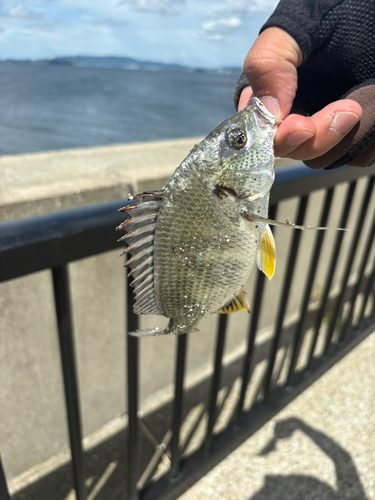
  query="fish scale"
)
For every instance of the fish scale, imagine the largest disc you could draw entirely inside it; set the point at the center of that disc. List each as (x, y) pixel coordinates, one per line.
(200, 244)
(189, 276)
(185, 276)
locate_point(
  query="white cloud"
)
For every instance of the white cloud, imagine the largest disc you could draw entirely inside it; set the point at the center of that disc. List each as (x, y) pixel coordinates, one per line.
(253, 8)
(160, 6)
(216, 30)
(19, 12)
(222, 25)
(214, 37)
(229, 16)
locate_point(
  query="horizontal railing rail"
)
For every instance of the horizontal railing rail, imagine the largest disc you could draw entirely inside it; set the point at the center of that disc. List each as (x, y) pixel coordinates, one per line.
(43, 242)
(53, 241)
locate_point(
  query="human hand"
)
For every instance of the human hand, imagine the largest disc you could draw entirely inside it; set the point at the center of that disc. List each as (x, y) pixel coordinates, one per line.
(271, 69)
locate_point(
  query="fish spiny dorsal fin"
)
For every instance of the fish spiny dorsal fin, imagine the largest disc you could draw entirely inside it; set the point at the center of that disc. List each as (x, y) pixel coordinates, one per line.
(266, 257)
(238, 303)
(140, 231)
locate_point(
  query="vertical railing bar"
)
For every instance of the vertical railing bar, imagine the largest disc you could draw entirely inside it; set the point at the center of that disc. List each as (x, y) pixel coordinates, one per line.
(288, 277)
(370, 285)
(178, 402)
(349, 263)
(255, 314)
(357, 286)
(255, 311)
(132, 358)
(159, 453)
(276, 374)
(280, 368)
(224, 395)
(60, 278)
(373, 303)
(193, 429)
(295, 345)
(220, 341)
(332, 268)
(4, 494)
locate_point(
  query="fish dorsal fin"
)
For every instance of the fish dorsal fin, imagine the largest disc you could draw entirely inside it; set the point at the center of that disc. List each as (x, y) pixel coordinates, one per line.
(140, 231)
(266, 257)
(238, 303)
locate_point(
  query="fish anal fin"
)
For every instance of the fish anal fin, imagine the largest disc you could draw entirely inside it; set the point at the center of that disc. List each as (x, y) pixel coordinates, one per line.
(266, 257)
(238, 303)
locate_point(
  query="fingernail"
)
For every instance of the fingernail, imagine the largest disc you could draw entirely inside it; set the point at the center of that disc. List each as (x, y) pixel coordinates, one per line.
(343, 121)
(298, 137)
(271, 104)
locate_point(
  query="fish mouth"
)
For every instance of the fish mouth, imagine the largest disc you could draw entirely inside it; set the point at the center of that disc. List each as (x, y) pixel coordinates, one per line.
(264, 117)
(257, 103)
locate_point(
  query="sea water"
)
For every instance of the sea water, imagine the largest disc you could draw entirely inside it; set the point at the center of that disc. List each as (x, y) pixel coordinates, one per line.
(51, 107)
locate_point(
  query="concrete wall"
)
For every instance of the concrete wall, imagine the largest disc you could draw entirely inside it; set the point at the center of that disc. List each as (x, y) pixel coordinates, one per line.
(32, 418)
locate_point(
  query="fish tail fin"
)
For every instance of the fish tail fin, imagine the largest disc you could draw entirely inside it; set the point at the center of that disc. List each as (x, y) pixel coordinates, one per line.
(174, 327)
(154, 332)
(150, 332)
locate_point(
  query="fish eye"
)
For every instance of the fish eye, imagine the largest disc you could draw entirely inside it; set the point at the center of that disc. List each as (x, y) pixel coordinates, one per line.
(236, 138)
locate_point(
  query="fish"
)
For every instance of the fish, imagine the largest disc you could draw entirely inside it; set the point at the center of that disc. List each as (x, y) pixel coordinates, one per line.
(194, 243)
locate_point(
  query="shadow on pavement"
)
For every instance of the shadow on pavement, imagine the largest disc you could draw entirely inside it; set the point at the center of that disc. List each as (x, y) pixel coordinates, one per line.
(107, 463)
(298, 486)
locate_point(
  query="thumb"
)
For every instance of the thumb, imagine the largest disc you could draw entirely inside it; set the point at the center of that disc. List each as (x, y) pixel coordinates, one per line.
(271, 68)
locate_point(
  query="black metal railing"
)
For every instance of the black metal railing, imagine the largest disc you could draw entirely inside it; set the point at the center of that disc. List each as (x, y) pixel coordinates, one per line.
(53, 241)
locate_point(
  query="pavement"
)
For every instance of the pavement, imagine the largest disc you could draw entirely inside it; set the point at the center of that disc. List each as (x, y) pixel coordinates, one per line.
(319, 447)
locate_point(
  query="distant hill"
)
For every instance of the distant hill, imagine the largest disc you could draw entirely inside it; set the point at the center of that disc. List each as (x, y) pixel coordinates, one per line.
(111, 62)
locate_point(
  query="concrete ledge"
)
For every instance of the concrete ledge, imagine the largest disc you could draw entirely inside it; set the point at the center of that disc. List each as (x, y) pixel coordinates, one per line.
(34, 184)
(40, 183)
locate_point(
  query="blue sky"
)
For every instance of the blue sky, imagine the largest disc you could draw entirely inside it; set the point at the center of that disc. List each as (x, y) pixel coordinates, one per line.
(205, 33)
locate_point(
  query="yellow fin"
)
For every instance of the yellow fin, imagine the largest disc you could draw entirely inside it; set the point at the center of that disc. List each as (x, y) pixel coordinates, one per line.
(239, 303)
(266, 258)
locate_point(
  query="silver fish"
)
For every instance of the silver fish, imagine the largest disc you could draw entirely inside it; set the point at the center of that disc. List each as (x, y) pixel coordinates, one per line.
(194, 243)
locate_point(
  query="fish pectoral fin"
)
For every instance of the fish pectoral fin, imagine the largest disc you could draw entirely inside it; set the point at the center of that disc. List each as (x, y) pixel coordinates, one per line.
(266, 257)
(238, 303)
(224, 192)
(252, 217)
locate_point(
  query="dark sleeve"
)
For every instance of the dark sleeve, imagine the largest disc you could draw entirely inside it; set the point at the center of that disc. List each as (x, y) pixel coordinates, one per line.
(302, 20)
(337, 39)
